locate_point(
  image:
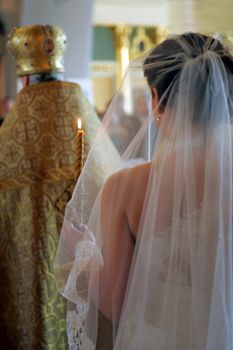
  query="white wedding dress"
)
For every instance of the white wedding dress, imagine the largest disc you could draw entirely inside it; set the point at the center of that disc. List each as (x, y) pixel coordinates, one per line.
(155, 331)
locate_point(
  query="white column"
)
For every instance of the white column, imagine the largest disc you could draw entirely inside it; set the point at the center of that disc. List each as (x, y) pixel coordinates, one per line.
(75, 17)
(10, 13)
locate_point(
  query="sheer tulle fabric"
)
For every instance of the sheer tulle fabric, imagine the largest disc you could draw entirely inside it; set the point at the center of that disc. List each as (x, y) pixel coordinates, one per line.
(147, 236)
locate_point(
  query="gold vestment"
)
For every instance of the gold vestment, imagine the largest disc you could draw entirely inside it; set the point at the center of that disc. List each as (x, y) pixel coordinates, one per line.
(37, 163)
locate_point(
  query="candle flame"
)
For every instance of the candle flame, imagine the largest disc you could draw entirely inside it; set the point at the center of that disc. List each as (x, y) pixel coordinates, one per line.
(79, 122)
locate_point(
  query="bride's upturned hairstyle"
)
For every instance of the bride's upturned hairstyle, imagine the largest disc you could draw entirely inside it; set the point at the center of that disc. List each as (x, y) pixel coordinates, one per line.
(165, 64)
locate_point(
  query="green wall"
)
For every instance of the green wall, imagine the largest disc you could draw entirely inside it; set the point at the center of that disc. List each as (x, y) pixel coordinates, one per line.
(103, 44)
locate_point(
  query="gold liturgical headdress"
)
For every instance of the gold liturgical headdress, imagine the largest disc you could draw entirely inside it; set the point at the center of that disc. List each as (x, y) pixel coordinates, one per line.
(37, 49)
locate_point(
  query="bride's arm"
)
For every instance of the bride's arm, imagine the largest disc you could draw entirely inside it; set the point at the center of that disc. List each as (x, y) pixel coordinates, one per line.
(118, 246)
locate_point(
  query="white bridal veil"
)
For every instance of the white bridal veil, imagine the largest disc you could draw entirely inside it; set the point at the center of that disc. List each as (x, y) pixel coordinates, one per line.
(152, 247)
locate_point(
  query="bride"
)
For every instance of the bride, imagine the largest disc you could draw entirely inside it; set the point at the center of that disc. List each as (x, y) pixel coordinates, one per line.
(151, 249)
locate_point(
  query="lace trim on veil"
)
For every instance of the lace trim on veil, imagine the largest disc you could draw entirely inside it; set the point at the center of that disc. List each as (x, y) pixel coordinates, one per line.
(77, 337)
(87, 258)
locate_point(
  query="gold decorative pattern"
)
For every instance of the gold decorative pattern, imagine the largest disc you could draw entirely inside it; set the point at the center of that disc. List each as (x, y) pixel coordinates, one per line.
(133, 41)
(140, 43)
(37, 165)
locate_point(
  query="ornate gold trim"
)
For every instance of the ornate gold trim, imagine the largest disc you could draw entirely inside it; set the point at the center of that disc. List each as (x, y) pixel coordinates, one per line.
(122, 37)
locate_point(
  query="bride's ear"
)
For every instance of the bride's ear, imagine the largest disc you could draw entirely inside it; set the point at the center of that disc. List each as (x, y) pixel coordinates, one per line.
(155, 97)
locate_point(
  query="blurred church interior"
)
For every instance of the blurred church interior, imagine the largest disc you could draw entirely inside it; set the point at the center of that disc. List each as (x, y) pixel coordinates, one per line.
(104, 35)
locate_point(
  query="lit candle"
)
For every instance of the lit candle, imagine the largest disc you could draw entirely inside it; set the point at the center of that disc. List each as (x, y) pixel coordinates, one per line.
(80, 148)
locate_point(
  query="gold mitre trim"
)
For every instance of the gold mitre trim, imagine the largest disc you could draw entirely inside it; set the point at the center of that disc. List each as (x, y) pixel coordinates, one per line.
(37, 48)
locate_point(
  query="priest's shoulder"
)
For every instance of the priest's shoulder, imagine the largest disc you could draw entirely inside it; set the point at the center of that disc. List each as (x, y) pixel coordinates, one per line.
(52, 84)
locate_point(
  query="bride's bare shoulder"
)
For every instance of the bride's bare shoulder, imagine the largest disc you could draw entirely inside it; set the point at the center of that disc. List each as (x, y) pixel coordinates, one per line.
(129, 178)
